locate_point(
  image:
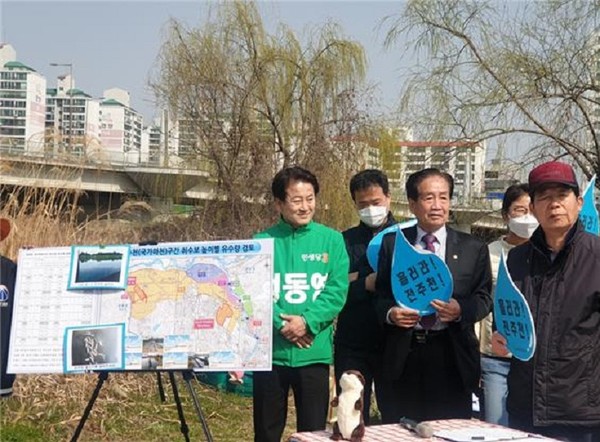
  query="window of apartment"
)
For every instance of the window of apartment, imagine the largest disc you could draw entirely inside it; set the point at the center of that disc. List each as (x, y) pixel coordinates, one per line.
(13, 94)
(13, 75)
(11, 131)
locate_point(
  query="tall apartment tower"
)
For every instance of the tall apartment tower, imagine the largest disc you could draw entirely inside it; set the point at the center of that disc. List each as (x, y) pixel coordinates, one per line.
(22, 104)
(120, 127)
(72, 118)
(464, 160)
(152, 142)
(169, 142)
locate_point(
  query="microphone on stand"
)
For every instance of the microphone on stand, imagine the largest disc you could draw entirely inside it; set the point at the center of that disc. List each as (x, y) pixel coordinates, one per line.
(421, 429)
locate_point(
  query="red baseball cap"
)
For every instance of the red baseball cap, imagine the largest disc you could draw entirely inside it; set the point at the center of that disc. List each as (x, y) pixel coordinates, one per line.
(4, 228)
(552, 172)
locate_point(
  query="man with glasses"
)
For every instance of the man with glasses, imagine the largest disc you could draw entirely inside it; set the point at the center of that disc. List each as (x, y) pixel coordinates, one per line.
(557, 392)
(311, 282)
(431, 363)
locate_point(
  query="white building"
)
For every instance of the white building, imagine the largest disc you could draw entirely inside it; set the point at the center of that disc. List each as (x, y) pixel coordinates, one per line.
(72, 118)
(464, 160)
(180, 137)
(22, 104)
(151, 148)
(120, 128)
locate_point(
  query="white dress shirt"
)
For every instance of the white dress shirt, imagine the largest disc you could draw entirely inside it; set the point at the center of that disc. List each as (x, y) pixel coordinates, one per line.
(441, 235)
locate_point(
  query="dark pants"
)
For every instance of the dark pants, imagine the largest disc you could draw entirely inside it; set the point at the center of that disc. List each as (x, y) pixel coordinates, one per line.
(430, 386)
(310, 385)
(368, 364)
(560, 432)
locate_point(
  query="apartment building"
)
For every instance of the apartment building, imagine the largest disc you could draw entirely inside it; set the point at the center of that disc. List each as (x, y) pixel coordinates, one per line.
(22, 104)
(120, 128)
(152, 142)
(72, 118)
(180, 136)
(464, 160)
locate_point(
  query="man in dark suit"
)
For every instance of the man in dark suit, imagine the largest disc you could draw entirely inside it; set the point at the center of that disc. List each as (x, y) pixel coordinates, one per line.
(357, 343)
(431, 363)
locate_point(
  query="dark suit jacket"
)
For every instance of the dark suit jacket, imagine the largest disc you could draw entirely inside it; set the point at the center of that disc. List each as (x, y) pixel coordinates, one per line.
(469, 263)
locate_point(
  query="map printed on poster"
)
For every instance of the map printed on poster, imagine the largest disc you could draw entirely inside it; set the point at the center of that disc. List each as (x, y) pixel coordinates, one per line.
(512, 315)
(205, 306)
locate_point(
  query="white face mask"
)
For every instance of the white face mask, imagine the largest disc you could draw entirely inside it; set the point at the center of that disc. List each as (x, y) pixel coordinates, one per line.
(373, 216)
(523, 226)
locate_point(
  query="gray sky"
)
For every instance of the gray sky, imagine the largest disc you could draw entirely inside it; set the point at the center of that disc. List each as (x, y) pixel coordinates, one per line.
(115, 44)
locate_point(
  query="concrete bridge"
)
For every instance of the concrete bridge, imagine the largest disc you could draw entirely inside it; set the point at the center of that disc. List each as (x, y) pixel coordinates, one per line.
(56, 171)
(107, 184)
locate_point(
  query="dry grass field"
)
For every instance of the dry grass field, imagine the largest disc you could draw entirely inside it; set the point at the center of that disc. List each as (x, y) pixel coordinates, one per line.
(47, 408)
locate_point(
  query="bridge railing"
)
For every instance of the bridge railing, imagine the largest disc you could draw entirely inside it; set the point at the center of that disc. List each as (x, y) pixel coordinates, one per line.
(125, 161)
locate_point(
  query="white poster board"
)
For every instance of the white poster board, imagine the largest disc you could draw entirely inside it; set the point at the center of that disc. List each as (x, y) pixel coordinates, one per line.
(205, 306)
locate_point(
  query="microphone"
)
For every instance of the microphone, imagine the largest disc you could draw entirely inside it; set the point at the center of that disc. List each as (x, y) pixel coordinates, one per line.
(421, 429)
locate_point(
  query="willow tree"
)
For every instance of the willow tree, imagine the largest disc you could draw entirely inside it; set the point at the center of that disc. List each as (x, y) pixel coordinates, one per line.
(259, 101)
(505, 71)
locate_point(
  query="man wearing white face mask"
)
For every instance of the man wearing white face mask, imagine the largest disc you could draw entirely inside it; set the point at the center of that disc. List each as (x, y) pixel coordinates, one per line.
(358, 334)
(494, 367)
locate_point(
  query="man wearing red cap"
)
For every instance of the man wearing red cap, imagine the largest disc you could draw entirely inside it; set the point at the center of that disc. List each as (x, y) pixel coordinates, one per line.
(557, 392)
(8, 272)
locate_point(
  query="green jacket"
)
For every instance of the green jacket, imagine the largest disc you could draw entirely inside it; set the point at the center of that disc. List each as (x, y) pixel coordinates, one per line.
(311, 279)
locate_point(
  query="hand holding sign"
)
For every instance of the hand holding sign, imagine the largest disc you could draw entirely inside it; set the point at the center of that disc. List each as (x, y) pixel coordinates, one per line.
(404, 317)
(512, 315)
(589, 213)
(419, 277)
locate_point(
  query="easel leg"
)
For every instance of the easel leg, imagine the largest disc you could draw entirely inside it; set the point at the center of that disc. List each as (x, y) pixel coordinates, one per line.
(102, 376)
(161, 390)
(187, 377)
(184, 428)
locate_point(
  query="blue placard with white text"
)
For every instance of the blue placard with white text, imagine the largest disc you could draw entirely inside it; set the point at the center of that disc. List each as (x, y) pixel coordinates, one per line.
(419, 277)
(375, 244)
(512, 315)
(589, 213)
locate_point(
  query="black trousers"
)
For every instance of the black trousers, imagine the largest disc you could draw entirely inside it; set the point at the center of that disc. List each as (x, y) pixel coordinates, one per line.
(560, 432)
(310, 385)
(430, 386)
(369, 365)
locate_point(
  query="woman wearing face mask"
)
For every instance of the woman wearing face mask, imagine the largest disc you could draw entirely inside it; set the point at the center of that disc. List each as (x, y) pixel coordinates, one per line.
(494, 368)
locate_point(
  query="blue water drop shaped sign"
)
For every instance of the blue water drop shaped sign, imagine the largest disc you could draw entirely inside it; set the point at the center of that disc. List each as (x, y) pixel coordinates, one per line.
(589, 213)
(418, 277)
(512, 315)
(375, 243)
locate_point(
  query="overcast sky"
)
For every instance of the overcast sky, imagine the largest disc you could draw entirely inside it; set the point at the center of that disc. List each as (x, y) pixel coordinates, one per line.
(115, 44)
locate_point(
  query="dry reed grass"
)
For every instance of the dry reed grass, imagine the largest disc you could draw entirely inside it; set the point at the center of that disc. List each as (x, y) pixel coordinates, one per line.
(48, 408)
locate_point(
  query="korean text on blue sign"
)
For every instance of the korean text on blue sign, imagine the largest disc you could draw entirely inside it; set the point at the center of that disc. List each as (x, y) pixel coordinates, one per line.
(512, 316)
(419, 277)
(589, 213)
(221, 248)
(375, 243)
